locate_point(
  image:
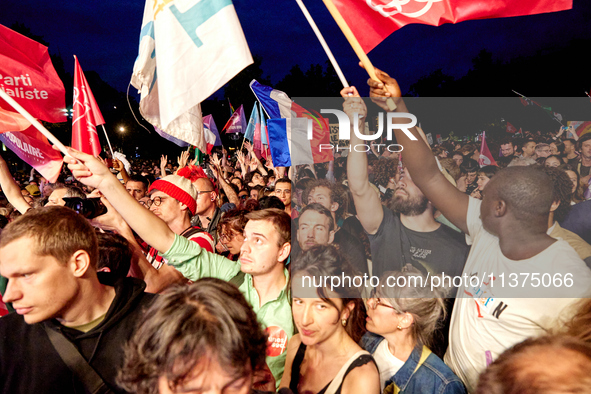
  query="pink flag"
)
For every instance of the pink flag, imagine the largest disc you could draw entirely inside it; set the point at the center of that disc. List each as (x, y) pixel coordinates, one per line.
(33, 148)
(86, 115)
(236, 123)
(486, 158)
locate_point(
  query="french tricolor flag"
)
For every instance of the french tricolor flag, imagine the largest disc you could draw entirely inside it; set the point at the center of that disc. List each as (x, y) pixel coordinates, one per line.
(209, 124)
(288, 129)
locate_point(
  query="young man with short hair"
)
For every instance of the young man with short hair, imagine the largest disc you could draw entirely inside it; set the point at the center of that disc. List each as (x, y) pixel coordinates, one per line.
(507, 148)
(283, 191)
(137, 186)
(529, 149)
(50, 257)
(570, 151)
(334, 198)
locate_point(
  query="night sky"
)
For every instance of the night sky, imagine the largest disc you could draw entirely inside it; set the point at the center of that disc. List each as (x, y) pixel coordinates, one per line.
(104, 35)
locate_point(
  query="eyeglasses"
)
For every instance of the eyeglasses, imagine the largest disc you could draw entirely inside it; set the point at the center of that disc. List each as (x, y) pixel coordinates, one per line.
(156, 201)
(377, 302)
(203, 192)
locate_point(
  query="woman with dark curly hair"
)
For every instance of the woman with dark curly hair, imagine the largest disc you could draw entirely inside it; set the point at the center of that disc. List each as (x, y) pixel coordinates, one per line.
(325, 356)
(231, 229)
(202, 337)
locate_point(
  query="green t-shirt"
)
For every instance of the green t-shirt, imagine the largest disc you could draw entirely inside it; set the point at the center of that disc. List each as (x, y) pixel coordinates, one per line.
(275, 315)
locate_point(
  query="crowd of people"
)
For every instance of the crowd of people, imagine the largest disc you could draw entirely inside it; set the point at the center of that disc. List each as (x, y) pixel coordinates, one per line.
(174, 277)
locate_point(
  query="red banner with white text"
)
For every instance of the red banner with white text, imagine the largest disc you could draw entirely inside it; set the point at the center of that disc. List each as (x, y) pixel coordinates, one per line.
(33, 148)
(27, 75)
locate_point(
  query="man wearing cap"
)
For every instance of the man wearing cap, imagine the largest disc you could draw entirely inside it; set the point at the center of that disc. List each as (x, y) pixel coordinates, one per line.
(173, 199)
(33, 190)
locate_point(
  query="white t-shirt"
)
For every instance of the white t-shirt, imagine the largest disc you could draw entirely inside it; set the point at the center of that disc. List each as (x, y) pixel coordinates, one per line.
(493, 316)
(388, 365)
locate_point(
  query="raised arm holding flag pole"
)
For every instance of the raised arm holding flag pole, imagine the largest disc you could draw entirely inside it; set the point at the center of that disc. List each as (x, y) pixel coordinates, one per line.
(367, 23)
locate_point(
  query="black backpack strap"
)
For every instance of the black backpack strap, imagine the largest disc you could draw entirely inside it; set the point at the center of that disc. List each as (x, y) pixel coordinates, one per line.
(93, 383)
(191, 231)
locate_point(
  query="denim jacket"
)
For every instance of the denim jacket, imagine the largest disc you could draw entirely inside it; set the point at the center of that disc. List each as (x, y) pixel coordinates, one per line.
(433, 376)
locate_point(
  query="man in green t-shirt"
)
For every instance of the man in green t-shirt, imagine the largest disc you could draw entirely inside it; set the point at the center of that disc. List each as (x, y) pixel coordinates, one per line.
(260, 273)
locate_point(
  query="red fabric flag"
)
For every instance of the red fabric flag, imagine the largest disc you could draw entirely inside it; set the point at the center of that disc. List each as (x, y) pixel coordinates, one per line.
(320, 132)
(33, 148)
(486, 158)
(510, 128)
(27, 75)
(86, 115)
(12, 121)
(373, 20)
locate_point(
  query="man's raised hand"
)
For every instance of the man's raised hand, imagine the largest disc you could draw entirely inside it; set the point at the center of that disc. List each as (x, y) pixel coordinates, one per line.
(383, 89)
(353, 103)
(183, 158)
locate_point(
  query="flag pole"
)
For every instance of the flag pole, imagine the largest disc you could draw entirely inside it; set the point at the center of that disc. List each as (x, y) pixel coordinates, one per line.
(351, 38)
(109, 142)
(257, 97)
(355, 45)
(553, 117)
(244, 135)
(519, 94)
(323, 43)
(34, 122)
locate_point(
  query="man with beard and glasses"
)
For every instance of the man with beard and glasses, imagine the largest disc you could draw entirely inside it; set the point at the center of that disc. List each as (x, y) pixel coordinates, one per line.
(405, 231)
(404, 234)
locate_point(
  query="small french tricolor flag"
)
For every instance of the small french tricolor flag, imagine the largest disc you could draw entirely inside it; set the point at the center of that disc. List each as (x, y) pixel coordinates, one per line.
(289, 128)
